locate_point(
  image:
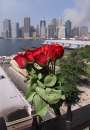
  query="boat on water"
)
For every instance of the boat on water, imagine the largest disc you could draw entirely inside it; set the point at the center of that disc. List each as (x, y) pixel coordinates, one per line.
(69, 44)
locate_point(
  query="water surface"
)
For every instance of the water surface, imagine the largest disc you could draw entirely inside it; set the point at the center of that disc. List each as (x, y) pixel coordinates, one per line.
(11, 46)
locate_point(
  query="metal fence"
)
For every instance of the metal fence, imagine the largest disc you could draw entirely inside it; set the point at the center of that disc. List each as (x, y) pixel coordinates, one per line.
(80, 121)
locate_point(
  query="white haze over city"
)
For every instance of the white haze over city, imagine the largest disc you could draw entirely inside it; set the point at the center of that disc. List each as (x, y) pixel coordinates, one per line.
(17, 9)
(80, 14)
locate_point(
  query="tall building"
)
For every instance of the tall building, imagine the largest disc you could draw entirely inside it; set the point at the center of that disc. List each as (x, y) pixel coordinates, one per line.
(75, 32)
(26, 27)
(37, 31)
(68, 27)
(83, 30)
(15, 30)
(7, 28)
(54, 22)
(32, 30)
(61, 29)
(1, 29)
(61, 32)
(43, 29)
(52, 29)
(21, 32)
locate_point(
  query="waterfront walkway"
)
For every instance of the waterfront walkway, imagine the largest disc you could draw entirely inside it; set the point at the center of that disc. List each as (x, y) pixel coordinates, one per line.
(10, 98)
(16, 77)
(13, 105)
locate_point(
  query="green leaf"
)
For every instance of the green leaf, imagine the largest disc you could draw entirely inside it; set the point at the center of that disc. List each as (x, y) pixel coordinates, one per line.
(32, 72)
(51, 96)
(50, 80)
(40, 76)
(31, 95)
(40, 84)
(38, 67)
(34, 78)
(28, 67)
(30, 89)
(41, 106)
(61, 80)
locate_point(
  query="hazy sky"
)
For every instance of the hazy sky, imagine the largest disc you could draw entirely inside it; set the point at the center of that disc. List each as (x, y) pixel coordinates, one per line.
(78, 11)
(36, 9)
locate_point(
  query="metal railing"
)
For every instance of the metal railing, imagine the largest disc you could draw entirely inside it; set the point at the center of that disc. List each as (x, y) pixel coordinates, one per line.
(80, 121)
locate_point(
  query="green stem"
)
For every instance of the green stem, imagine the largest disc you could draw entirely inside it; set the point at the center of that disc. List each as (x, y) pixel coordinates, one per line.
(57, 112)
(54, 67)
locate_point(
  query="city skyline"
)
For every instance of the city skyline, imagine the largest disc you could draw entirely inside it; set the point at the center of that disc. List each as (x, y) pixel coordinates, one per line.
(75, 10)
(16, 9)
(56, 29)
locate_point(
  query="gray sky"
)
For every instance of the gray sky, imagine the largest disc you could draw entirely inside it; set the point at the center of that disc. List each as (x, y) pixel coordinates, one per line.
(75, 10)
(36, 9)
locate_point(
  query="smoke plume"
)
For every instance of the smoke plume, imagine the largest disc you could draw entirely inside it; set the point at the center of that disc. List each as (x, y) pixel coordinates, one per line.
(80, 14)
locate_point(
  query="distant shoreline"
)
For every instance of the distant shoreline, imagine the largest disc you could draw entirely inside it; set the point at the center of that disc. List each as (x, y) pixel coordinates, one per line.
(20, 38)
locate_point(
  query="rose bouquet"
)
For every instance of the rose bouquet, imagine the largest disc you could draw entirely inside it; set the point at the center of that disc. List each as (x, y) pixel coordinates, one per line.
(42, 81)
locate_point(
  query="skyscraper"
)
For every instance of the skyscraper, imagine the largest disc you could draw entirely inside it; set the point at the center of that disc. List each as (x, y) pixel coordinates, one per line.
(75, 32)
(32, 29)
(26, 27)
(15, 30)
(43, 29)
(52, 31)
(54, 22)
(1, 29)
(83, 30)
(7, 28)
(21, 32)
(68, 27)
(38, 31)
(61, 29)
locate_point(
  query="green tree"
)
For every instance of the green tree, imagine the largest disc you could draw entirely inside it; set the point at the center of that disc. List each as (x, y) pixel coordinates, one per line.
(71, 69)
(85, 52)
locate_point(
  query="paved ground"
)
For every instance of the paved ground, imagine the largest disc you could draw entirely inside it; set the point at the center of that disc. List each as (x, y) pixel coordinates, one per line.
(18, 80)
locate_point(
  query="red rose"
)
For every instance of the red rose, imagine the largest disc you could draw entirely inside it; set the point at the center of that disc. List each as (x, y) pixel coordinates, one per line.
(37, 52)
(59, 51)
(29, 55)
(46, 50)
(41, 59)
(21, 60)
(39, 56)
(56, 51)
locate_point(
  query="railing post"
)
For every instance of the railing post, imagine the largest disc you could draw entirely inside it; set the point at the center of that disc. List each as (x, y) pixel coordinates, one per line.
(35, 124)
(68, 125)
(68, 117)
(69, 113)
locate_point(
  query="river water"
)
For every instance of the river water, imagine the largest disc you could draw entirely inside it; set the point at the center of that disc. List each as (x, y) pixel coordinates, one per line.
(11, 46)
